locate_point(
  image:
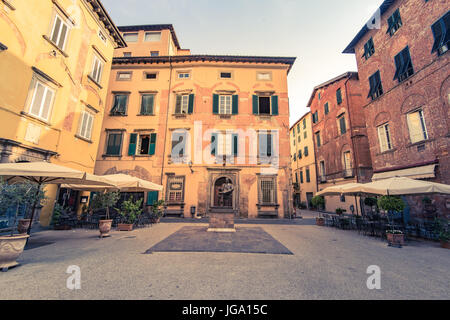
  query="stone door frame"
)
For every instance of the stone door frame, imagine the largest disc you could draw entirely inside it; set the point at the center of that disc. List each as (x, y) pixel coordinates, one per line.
(213, 175)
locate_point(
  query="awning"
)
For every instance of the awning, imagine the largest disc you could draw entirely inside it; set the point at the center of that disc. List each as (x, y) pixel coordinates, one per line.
(424, 172)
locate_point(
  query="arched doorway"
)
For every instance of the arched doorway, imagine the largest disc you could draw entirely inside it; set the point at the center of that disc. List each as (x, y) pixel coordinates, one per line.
(223, 193)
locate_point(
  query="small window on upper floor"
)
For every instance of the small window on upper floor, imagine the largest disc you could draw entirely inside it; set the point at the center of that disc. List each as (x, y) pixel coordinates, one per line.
(369, 49)
(97, 69)
(150, 75)
(60, 32)
(102, 36)
(264, 76)
(152, 36)
(124, 76)
(339, 96)
(184, 75)
(404, 65)
(127, 54)
(376, 87)
(226, 75)
(154, 53)
(130, 37)
(394, 22)
(441, 33)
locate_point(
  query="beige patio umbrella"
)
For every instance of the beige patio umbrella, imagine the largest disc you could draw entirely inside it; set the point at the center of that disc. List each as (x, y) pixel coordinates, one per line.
(47, 173)
(338, 190)
(121, 182)
(400, 186)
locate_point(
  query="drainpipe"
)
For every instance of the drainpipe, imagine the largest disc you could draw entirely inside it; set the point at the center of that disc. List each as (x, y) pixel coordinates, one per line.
(167, 120)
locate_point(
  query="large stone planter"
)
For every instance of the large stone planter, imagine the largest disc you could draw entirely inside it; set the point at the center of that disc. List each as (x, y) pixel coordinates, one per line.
(10, 249)
(104, 226)
(221, 222)
(22, 226)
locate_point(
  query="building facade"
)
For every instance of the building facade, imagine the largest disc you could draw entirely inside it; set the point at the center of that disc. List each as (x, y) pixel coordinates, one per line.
(53, 83)
(340, 138)
(405, 84)
(198, 125)
(303, 162)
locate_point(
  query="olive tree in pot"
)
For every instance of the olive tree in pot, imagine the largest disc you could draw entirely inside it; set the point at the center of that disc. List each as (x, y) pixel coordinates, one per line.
(105, 201)
(130, 212)
(13, 195)
(157, 211)
(392, 204)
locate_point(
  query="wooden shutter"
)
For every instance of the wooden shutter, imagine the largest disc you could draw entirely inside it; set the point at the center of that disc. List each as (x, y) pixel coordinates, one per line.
(152, 196)
(382, 138)
(215, 104)
(152, 146)
(274, 105)
(191, 104)
(235, 104)
(178, 105)
(255, 104)
(132, 145)
(214, 144)
(235, 144)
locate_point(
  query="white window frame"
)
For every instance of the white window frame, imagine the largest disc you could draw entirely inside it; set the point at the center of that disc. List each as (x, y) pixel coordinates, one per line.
(225, 104)
(152, 33)
(86, 124)
(384, 137)
(128, 33)
(184, 106)
(264, 76)
(47, 90)
(97, 68)
(423, 127)
(119, 78)
(184, 75)
(58, 36)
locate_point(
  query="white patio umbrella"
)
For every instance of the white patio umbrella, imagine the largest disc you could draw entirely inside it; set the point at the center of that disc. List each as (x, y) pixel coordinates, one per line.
(338, 190)
(121, 182)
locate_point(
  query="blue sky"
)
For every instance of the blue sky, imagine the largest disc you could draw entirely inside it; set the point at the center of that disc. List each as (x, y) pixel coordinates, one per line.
(316, 32)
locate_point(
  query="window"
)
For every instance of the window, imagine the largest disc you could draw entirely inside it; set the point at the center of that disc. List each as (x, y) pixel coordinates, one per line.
(315, 117)
(184, 75)
(339, 96)
(322, 171)
(142, 144)
(299, 139)
(441, 33)
(265, 105)
(175, 189)
(225, 75)
(150, 75)
(296, 177)
(318, 139)
(60, 32)
(152, 197)
(179, 146)
(301, 176)
(225, 104)
(348, 172)
(154, 53)
(394, 23)
(295, 157)
(263, 76)
(376, 87)
(266, 146)
(147, 104)
(320, 96)
(41, 100)
(326, 108)
(114, 143)
(304, 123)
(369, 49)
(308, 176)
(384, 138)
(305, 134)
(102, 36)
(85, 127)
(417, 127)
(298, 128)
(127, 54)
(342, 124)
(130, 37)
(305, 151)
(97, 69)
(184, 104)
(124, 76)
(300, 154)
(404, 65)
(152, 36)
(224, 144)
(267, 190)
(342, 198)
(120, 104)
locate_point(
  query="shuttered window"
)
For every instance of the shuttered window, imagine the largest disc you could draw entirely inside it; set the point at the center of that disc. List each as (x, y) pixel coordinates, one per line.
(265, 145)
(265, 105)
(417, 127)
(179, 147)
(384, 138)
(42, 100)
(120, 104)
(267, 190)
(404, 65)
(342, 124)
(394, 23)
(60, 32)
(152, 197)
(114, 143)
(376, 87)
(85, 126)
(369, 49)
(97, 69)
(339, 96)
(175, 189)
(147, 104)
(441, 33)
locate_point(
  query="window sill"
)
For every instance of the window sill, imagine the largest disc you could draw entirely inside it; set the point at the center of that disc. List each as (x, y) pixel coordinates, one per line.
(268, 205)
(415, 144)
(82, 138)
(146, 115)
(143, 155)
(224, 116)
(112, 156)
(180, 115)
(32, 117)
(118, 115)
(55, 46)
(96, 83)
(387, 152)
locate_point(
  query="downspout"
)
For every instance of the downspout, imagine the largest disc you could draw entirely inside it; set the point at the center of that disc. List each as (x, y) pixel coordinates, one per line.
(167, 120)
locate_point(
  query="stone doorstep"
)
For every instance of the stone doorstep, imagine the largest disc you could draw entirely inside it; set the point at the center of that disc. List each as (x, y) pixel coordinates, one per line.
(221, 230)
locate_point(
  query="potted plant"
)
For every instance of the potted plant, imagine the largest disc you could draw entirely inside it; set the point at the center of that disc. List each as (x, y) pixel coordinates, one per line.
(320, 221)
(392, 204)
(340, 211)
(130, 212)
(13, 195)
(105, 201)
(318, 202)
(443, 229)
(156, 211)
(28, 197)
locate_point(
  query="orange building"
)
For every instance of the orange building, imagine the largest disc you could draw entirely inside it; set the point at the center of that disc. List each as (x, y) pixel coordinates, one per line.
(199, 123)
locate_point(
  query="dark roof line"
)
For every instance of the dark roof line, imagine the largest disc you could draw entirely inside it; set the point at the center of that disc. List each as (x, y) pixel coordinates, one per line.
(152, 27)
(3, 47)
(383, 8)
(104, 17)
(299, 120)
(163, 59)
(348, 74)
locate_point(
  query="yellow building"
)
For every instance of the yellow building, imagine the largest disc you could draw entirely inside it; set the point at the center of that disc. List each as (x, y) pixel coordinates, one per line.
(303, 162)
(55, 61)
(198, 124)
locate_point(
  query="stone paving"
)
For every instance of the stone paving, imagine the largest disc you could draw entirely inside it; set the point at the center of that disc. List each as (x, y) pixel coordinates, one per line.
(326, 264)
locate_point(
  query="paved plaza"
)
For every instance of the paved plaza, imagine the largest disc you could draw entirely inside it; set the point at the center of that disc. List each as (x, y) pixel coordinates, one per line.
(325, 263)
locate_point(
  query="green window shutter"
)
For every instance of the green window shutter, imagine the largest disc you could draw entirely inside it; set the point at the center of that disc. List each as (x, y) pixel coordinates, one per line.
(213, 144)
(301, 176)
(308, 177)
(235, 144)
(339, 96)
(274, 105)
(132, 146)
(215, 104)
(152, 146)
(342, 125)
(235, 104)
(152, 196)
(255, 105)
(178, 105)
(191, 104)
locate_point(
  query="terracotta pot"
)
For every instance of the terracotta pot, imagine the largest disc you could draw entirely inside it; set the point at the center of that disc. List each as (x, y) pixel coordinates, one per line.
(445, 244)
(104, 226)
(125, 227)
(10, 249)
(23, 225)
(156, 220)
(396, 240)
(320, 222)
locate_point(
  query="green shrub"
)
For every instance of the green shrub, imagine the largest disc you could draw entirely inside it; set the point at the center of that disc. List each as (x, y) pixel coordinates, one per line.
(131, 210)
(391, 203)
(318, 202)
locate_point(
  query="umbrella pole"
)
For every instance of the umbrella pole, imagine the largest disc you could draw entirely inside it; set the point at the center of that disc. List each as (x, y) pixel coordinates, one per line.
(356, 202)
(34, 207)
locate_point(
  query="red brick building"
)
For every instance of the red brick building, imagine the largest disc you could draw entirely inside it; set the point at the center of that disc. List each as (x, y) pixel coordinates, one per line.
(340, 139)
(403, 65)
